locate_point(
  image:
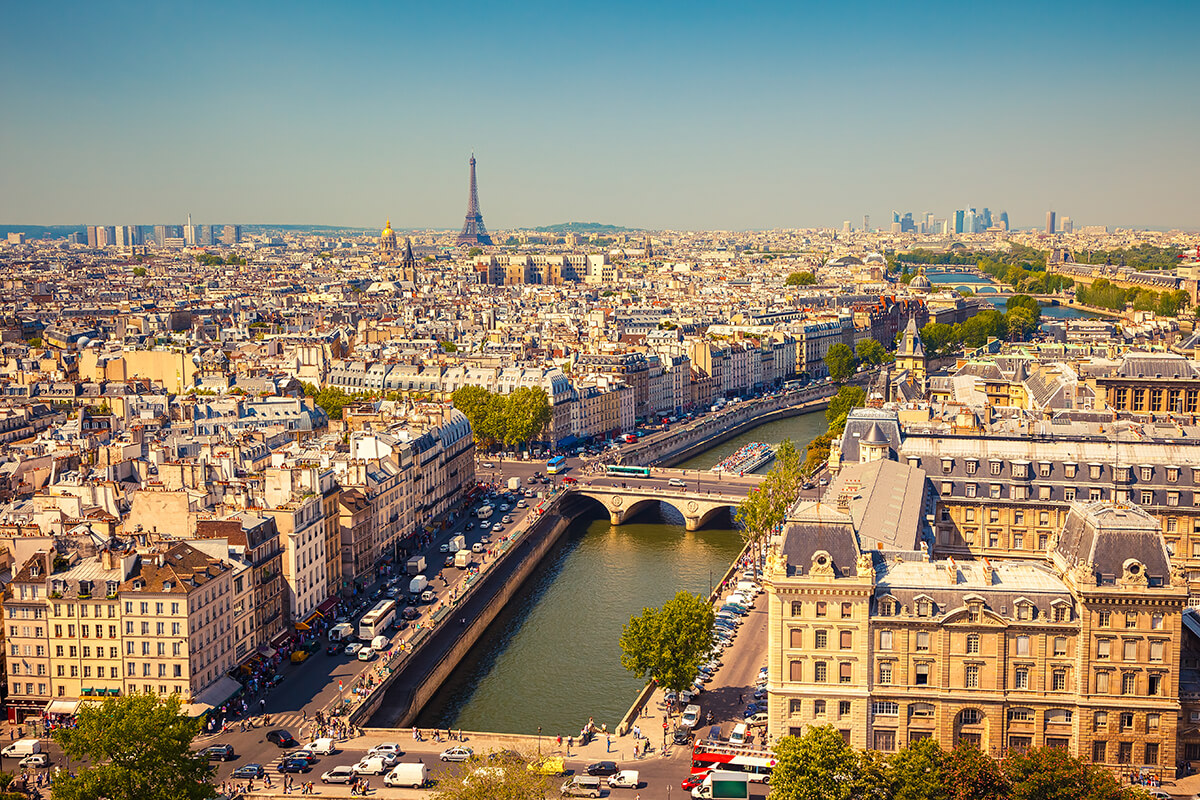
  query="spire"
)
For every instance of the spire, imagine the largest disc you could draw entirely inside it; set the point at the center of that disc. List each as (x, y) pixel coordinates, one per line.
(473, 232)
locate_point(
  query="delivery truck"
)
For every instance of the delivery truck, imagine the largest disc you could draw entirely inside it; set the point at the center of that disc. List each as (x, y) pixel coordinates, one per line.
(458, 543)
(341, 632)
(418, 585)
(416, 565)
(462, 558)
(22, 748)
(724, 786)
(514, 484)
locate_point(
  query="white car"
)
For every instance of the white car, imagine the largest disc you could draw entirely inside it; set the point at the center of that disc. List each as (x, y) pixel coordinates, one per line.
(507, 520)
(477, 548)
(677, 482)
(344, 774)
(353, 648)
(371, 765)
(366, 654)
(35, 761)
(457, 754)
(504, 506)
(497, 528)
(387, 748)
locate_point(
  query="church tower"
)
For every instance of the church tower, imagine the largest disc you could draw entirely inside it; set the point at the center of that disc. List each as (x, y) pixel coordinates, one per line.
(387, 240)
(910, 355)
(408, 265)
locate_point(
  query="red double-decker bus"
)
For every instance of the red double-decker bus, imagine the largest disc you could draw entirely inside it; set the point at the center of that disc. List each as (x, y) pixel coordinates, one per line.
(730, 758)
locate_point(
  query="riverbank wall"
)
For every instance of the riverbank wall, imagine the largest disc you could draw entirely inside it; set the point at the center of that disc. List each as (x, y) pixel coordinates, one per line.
(399, 697)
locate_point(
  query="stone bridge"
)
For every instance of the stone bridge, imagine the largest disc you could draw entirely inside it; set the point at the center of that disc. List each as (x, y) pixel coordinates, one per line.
(697, 505)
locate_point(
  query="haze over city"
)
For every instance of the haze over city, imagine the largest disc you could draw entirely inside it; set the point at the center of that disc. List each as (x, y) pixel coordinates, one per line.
(668, 116)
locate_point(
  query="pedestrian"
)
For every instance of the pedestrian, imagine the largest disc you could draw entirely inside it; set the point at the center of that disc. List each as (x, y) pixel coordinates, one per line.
(607, 743)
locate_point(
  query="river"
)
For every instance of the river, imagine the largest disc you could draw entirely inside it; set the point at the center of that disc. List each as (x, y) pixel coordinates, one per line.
(551, 658)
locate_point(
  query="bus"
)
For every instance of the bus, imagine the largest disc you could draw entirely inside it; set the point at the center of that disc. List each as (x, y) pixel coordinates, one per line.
(556, 465)
(376, 621)
(618, 471)
(708, 755)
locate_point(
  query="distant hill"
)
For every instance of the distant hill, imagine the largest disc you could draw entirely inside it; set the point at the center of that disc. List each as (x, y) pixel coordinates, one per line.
(582, 227)
(42, 231)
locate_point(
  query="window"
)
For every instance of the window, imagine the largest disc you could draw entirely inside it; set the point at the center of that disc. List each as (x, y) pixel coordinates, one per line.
(795, 707)
(924, 608)
(1131, 619)
(885, 640)
(821, 608)
(1152, 721)
(1021, 678)
(995, 466)
(971, 490)
(1069, 470)
(1126, 720)
(1151, 753)
(1060, 645)
(797, 608)
(845, 672)
(1100, 720)
(922, 641)
(1153, 685)
(885, 741)
(797, 637)
(1156, 651)
(1129, 650)
(796, 671)
(1058, 680)
(1156, 622)
(1147, 497)
(1062, 614)
(819, 708)
(886, 607)
(885, 708)
(971, 677)
(1024, 611)
(1102, 683)
(847, 639)
(1020, 715)
(885, 672)
(1104, 619)
(1095, 495)
(973, 643)
(1020, 743)
(922, 675)
(843, 708)
(1128, 682)
(1069, 494)
(1124, 752)
(847, 610)
(821, 640)
(1060, 716)
(1018, 541)
(1022, 645)
(820, 672)
(972, 465)
(970, 716)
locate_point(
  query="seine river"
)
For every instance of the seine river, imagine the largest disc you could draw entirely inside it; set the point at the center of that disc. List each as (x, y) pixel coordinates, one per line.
(551, 658)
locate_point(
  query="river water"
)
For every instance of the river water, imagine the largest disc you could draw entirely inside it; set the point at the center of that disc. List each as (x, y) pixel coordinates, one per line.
(551, 659)
(972, 280)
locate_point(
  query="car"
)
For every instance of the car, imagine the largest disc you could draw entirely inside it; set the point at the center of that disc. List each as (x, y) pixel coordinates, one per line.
(35, 761)
(444, 547)
(343, 774)
(694, 780)
(249, 771)
(497, 528)
(385, 749)
(281, 738)
(760, 694)
(759, 718)
(507, 520)
(521, 503)
(686, 697)
(456, 754)
(307, 755)
(602, 768)
(373, 765)
(504, 506)
(677, 482)
(410, 612)
(295, 765)
(275, 680)
(488, 465)
(353, 648)
(485, 539)
(299, 656)
(219, 752)
(681, 736)
(449, 562)
(477, 548)
(569, 480)
(366, 654)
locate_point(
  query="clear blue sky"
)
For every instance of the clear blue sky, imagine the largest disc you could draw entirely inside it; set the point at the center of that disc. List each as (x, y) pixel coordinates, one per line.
(660, 115)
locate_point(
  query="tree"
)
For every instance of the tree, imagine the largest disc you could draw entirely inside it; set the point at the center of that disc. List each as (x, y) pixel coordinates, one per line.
(447, 346)
(839, 360)
(527, 413)
(800, 279)
(872, 352)
(971, 775)
(840, 405)
(473, 402)
(666, 644)
(1020, 323)
(938, 339)
(918, 772)
(502, 779)
(1051, 773)
(816, 766)
(139, 272)
(137, 747)
(474, 251)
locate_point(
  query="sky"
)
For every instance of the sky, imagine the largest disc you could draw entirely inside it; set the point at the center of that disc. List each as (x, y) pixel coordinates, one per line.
(697, 115)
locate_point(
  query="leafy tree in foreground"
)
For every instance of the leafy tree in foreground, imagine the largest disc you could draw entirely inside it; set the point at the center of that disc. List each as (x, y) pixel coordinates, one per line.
(840, 406)
(816, 766)
(872, 352)
(971, 775)
(1051, 773)
(138, 748)
(918, 772)
(666, 644)
(840, 362)
(504, 779)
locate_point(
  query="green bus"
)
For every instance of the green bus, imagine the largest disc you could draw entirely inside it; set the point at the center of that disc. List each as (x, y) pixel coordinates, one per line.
(618, 471)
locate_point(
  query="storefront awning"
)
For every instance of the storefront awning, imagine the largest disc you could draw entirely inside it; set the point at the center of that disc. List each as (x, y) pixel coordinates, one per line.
(313, 617)
(328, 605)
(301, 626)
(266, 652)
(62, 707)
(225, 688)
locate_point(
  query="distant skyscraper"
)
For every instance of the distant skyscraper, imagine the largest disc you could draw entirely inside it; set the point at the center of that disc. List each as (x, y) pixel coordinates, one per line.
(895, 215)
(959, 217)
(866, 222)
(987, 218)
(76, 238)
(160, 235)
(231, 235)
(1067, 225)
(1004, 219)
(473, 232)
(969, 221)
(92, 236)
(846, 226)
(1049, 222)
(189, 232)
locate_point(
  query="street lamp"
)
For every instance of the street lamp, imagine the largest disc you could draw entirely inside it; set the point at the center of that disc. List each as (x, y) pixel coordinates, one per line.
(539, 740)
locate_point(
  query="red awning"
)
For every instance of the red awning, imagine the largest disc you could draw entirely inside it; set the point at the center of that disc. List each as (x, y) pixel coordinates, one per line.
(328, 605)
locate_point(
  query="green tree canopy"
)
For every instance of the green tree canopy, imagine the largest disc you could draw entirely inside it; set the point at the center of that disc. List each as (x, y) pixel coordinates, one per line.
(816, 766)
(1051, 773)
(840, 405)
(840, 362)
(137, 748)
(666, 644)
(971, 775)
(918, 772)
(501, 779)
(511, 420)
(800, 279)
(938, 339)
(872, 352)
(527, 413)
(330, 399)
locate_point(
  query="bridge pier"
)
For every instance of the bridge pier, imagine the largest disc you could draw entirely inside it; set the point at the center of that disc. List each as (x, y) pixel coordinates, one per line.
(616, 516)
(691, 523)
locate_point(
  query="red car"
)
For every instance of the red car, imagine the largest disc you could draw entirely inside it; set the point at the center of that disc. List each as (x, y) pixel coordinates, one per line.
(569, 479)
(694, 780)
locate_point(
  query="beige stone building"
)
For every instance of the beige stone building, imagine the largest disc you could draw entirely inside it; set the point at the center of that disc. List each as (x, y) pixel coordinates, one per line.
(872, 634)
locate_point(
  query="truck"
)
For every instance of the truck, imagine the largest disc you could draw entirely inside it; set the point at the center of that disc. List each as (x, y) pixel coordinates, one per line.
(416, 565)
(457, 543)
(341, 631)
(724, 786)
(462, 558)
(418, 585)
(407, 774)
(22, 748)
(514, 484)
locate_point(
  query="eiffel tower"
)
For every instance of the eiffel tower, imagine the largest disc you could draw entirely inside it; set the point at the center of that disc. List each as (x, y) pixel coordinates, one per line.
(473, 232)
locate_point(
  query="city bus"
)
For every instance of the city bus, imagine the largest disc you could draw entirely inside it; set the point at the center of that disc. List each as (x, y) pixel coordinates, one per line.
(711, 755)
(376, 621)
(556, 465)
(618, 471)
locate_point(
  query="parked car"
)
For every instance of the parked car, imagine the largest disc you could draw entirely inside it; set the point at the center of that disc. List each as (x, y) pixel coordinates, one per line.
(343, 774)
(456, 754)
(334, 649)
(35, 761)
(249, 771)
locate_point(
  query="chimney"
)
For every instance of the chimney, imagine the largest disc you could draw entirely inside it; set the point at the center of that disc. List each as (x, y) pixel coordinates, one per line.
(987, 571)
(952, 570)
(106, 558)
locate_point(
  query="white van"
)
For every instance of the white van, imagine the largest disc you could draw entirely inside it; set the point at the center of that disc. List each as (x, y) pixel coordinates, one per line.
(413, 775)
(22, 748)
(691, 716)
(738, 736)
(380, 643)
(323, 747)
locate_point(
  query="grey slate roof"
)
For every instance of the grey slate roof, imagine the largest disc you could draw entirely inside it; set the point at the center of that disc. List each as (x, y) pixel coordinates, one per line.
(1105, 537)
